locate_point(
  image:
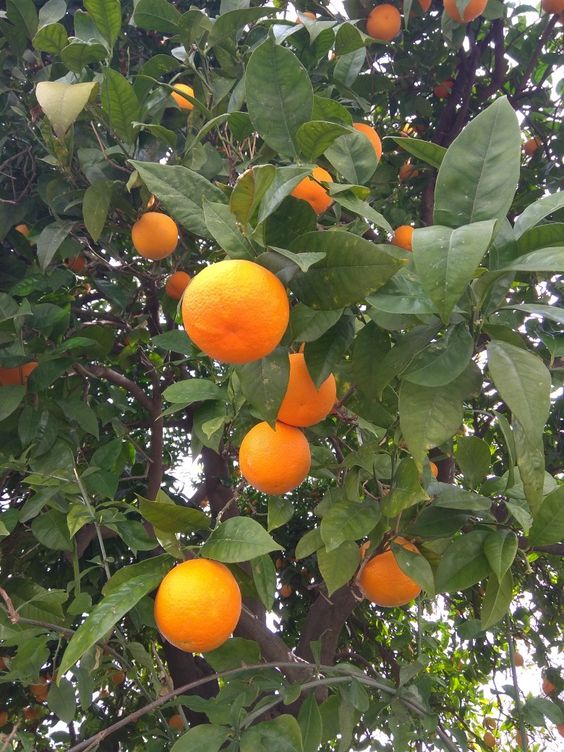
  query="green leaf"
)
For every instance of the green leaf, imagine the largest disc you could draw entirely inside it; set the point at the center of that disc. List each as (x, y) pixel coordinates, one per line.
(61, 700)
(50, 529)
(234, 653)
(249, 190)
(307, 324)
(338, 566)
(543, 260)
(279, 96)
(264, 577)
(443, 361)
(175, 340)
(548, 525)
(51, 39)
(352, 268)
(62, 103)
(446, 260)
(228, 23)
(499, 594)
(280, 511)
(171, 518)
(426, 151)
(309, 543)
(454, 497)
(538, 210)
(546, 311)
(348, 66)
(23, 13)
(264, 382)
(77, 55)
(535, 706)
(315, 136)
(479, 173)
(203, 738)
(238, 539)
(529, 448)
(415, 566)
(193, 390)
(463, 564)
(353, 156)
(50, 240)
(348, 521)
(284, 181)
(157, 15)
(428, 416)
(106, 614)
(500, 548)
(52, 11)
(352, 203)
(473, 458)
(406, 489)
(107, 17)
(223, 228)
(291, 219)
(280, 735)
(156, 566)
(10, 399)
(120, 104)
(95, 207)
(323, 355)
(329, 109)
(182, 192)
(310, 722)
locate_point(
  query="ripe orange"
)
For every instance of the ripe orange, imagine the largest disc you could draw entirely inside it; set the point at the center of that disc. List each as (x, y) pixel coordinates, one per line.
(184, 104)
(117, 678)
(279, 563)
(154, 235)
(176, 721)
(434, 469)
(407, 171)
(489, 739)
(23, 230)
(531, 146)
(307, 14)
(384, 583)
(3, 718)
(198, 605)
(518, 659)
(489, 723)
(77, 264)
(18, 375)
(474, 9)
(40, 690)
(384, 22)
(286, 591)
(30, 714)
(372, 136)
(402, 237)
(560, 729)
(235, 311)
(274, 460)
(552, 6)
(442, 90)
(304, 404)
(176, 284)
(547, 686)
(309, 190)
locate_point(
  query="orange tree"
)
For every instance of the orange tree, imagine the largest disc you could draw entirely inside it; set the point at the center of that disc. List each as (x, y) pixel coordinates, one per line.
(397, 533)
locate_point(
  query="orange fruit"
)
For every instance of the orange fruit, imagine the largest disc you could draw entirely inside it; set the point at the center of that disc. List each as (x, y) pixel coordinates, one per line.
(518, 659)
(407, 171)
(184, 104)
(434, 469)
(383, 22)
(307, 14)
(489, 723)
(3, 664)
(39, 690)
(560, 729)
(198, 605)
(18, 375)
(311, 191)
(531, 146)
(286, 591)
(518, 739)
(176, 284)
(552, 6)
(30, 714)
(474, 9)
(402, 237)
(274, 460)
(547, 686)
(372, 136)
(279, 564)
(304, 404)
(235, 311)
(154, 235)
(489, 739)
(384, 583)
(23, 230)
(77, 264)
(117, 678)
(3, 718)
(176, 721)
(442, 90)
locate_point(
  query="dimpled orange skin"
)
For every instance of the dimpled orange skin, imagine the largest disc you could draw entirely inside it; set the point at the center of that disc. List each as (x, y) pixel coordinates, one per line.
(18, 375)
(552, 6)
(176, 284)
(198, 605)
(434, 469)
(373, 137)
(184, 104)
(304, 404)
(403, 236)
(309, 190)
(154, 235)
(274, 460)
(77, 264)
(23, 230)
(235, 311)
(531, 146)
(442, 90)
(384, 22)
(383, 582)
(474, 9)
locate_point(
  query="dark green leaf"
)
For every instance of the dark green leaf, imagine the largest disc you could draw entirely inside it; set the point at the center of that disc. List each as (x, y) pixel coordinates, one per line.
(156, 567)
(406, 489)
(249, 190)
(264, 382)
(228, 23)
(543, 260)
(51, 39)
(463, 563)
(95, 206)
(107, 17)
(51, 530)
(10, 399)
(315, 136)
(500, 548)
(283, 183)
(280, 511)
(61, 700)
(538, 210)
(264, 577)
(348, 521)
(499, 594)
(175, 340)
(280, 735)
(353, 203)
(120, 104)
(309, 543)
(473, 458)
(348, 66)
(77, 55)
(223, 228)
(202, 738)
(323, 354)
(353, 156)
(234, 653)
(338, 566)
(426, 151)
(50, 240)
(238, 539)
(454, 497)
(443, 361)
(157, 15)
(310, 722)
(171, 518)
(548, 525)
(307, 324)
(193, 390)
(415, 566)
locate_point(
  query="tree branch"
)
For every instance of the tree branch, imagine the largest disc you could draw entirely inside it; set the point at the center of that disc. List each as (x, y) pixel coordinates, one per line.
(101, 372)
(547, 33)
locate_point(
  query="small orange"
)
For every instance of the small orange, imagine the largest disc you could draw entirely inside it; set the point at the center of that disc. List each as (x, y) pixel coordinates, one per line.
(279, 563)
(30, 713)
(518, 659)
(407, 171)
(372, 136)
(304, 404)
(311, 191)
(474, 9)
(3, 718)
(307, 14)
(39, 690)
(489, 723)
(235, 311)
(560, 729)
(23, 230)
(183, 103)
(198, 605)
(552, 6)
(434, 469)
(402, 237)
(176, 284)
(531, 146)
(176, 722)
(383, 582)
(286, 590)
(117, 678)
(442, 90)
(384, 22)
(547, 686)
(489, 739)
(77, 264)
(18, 375)
(274, 460)
(154, 235)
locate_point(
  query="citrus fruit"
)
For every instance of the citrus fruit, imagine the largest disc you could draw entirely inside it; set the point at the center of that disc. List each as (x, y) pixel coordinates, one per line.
(383, 582)
(304, 404)
(18, 375)
(39, 690)
(176, 722)
(30, 714)
(531, 146)
(547, 686)
(176, 284)
(154, 235)
(489, 723)
(560, 729)
(474, 9)
(442, 90)
(407, 171)
(117, 677)
(198, 605)
(307, 14)
(235, 311)
(552, 6)
(23, 230)
(183, 103)
(402, 237)
(274, 460)
(286, 591)
(372, 136)
(3, 718)
(434, 469)
(489, 739)
(383, 22)
(77, 264)
(316, 195)
(518, 659)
